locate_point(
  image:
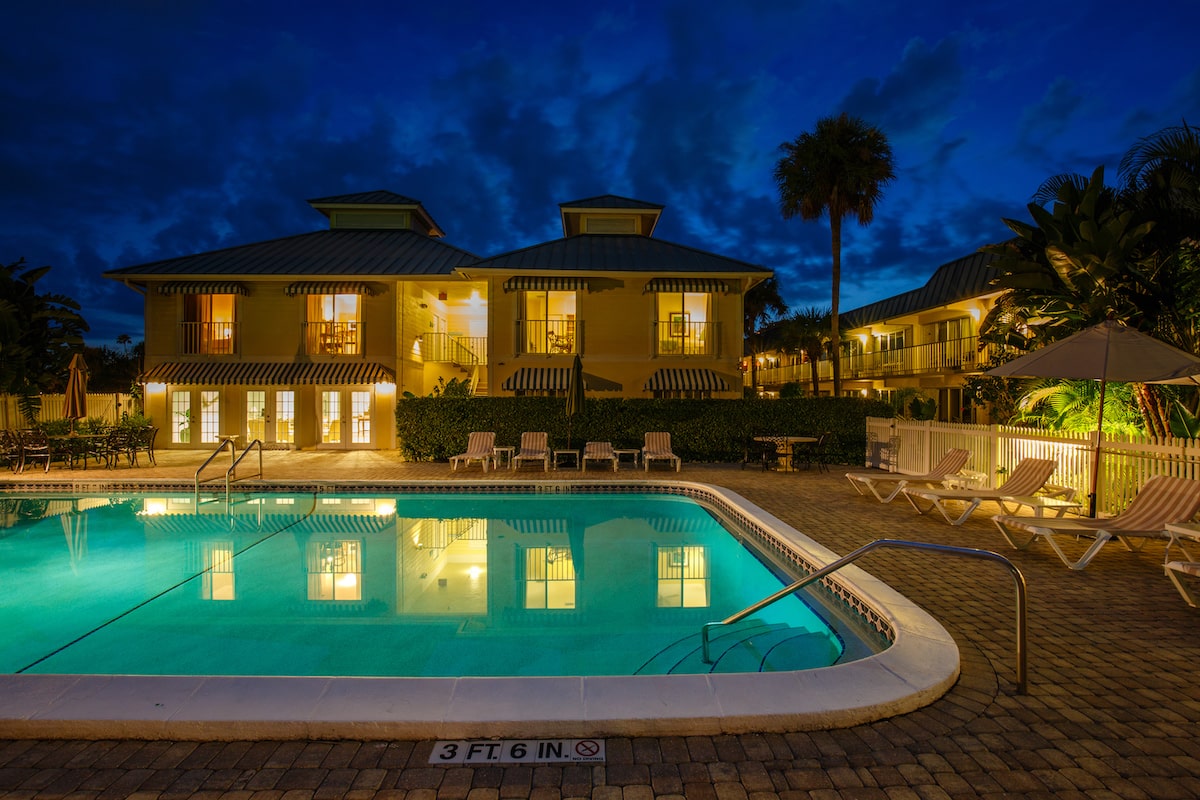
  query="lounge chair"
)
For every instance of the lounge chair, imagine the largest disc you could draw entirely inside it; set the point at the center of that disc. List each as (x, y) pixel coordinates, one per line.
(1027, 479)
(1176, 570)
(877, 483)
(1160, 501)
(479, 448)
(658, 448)
(533, 448)
(598, 451)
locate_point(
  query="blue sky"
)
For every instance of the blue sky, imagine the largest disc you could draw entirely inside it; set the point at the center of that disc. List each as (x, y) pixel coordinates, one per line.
(136, 131)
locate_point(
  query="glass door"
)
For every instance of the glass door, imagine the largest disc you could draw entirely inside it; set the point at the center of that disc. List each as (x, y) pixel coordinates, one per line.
(271, 416)
(346, 418)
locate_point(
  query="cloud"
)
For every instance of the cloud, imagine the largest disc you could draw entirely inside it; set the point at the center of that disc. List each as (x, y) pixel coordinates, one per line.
(917, 98)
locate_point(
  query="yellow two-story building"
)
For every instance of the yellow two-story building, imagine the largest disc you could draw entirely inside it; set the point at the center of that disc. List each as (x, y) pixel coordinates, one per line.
(308, 340)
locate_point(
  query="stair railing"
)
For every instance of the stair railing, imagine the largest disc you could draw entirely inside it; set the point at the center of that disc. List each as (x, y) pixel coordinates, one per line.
(1018, 580)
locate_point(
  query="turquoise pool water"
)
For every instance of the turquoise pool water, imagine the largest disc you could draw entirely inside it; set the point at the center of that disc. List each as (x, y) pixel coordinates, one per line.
(410, 585)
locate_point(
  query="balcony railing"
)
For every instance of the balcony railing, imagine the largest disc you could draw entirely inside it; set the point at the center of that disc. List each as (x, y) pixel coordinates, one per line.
(332, 338)
(549, 336)
(208, 338)
(675, 338)
(953, 356)
(450, 349)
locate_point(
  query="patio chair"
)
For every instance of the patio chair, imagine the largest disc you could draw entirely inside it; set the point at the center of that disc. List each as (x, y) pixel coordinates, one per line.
(762, 450)
(10, 449)
(892, 483)
(1176, 571)
(598, 451)
(809, 453)
(35, 446)
(534, 447)
(658, 448)
(1027, 478)
(1161, 500)
(479, 448)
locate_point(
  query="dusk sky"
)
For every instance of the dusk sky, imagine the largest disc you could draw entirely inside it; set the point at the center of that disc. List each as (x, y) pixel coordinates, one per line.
(135, 131)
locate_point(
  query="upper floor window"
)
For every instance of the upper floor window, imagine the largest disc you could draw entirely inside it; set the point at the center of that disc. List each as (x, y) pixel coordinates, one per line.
(332, 324)
(949, 330)
(684, 323)
(548, 322)
(209, 324)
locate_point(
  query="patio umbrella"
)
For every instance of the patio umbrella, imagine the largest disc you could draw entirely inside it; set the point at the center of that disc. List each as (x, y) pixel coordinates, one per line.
(1108, 352)
(575, 393)
(75, 407)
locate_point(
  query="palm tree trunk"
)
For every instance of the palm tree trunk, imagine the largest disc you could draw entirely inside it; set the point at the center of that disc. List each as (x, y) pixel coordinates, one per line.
(835, 228)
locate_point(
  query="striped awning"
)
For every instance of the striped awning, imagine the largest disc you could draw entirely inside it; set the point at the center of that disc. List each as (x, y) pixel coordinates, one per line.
(331, 287)
(685, 285)
(554, 379)
(540, 526)
(678, 379)
(202, 287)
(249, 373)
(534, 283)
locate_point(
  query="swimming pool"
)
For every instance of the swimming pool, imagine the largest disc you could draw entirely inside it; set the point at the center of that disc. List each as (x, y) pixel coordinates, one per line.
(357, 563)
(414, 585)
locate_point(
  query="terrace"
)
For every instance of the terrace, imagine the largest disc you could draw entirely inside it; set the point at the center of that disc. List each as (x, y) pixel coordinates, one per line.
(1110, 708)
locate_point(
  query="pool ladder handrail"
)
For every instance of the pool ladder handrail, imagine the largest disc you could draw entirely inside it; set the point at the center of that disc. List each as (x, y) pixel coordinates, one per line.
(1018, 579)
(234, 460)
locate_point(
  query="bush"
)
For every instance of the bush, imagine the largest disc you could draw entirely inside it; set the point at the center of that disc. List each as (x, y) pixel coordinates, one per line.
(430, 429)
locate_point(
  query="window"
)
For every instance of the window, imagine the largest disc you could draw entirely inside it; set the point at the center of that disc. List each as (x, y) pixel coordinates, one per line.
(285, 417)
(548, 322)
(549, 577)
(335, 570)
(209, 324)
(682, 573)
(210, 416)
(333, 324)
(181, 413)
(256, 416)
(683, 323)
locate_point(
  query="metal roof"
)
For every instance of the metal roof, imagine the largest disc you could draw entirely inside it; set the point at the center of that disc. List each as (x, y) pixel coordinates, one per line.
(377, 197)
(331, 253)
(961, 279)
(615, 253)
(612, 201)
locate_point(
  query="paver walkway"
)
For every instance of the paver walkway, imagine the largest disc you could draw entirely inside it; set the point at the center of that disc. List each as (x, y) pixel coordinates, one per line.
(1113, 709)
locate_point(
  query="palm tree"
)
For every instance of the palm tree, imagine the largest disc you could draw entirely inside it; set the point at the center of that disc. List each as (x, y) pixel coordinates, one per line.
(839, 169)
(761, 305)
(808, 331)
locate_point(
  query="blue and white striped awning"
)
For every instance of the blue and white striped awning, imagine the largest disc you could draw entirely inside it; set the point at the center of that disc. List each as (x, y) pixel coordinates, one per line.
(685, 285)
(537, 283)
(251, 373)
(554, 379)
(680, 379)
(330, 287)
(202, 287)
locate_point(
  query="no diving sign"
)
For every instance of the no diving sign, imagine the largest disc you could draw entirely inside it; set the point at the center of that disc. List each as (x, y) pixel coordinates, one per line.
(517, 751)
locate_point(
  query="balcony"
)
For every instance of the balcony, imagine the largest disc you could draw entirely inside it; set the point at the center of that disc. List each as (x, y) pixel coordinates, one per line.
(208, 338)
(949, 357)
(549, 336)
(332, 338)
(450, 349)
(678, 338)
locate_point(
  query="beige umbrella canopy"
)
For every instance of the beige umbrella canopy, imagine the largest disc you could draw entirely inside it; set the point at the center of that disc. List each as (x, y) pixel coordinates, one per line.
(75, 407)
(1108, 352)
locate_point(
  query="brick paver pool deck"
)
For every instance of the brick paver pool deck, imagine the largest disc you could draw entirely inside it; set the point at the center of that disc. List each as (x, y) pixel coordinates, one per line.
(1112, 711)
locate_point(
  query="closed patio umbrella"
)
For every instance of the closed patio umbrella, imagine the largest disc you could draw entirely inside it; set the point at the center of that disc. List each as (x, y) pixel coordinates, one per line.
(75, 407)
(1108, 352)
(575, 393)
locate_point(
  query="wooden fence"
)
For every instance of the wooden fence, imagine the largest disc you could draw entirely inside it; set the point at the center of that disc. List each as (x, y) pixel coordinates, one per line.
(106, 406)
(1126, 462)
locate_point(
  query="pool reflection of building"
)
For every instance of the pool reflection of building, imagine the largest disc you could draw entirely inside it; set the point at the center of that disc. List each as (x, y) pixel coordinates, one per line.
(360, 559)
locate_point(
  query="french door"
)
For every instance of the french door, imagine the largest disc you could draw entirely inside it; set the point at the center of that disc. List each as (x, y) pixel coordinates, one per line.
(271, 416)
(345, 418)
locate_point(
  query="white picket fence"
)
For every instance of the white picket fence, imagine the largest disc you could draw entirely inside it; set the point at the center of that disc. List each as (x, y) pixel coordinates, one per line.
(1126, 462)
(107, 406)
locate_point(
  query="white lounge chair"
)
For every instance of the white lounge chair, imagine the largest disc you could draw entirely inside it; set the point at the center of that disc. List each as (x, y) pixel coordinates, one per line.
(534, 447)
(1176, 571)
(1027, 479)
(1160, 501)
(877, 483)
(598, 451)
(479, 448)
(658, 448)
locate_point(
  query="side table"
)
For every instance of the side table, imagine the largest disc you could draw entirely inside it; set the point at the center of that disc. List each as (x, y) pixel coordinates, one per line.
(571, 455)
(634, 455)
(502, 456)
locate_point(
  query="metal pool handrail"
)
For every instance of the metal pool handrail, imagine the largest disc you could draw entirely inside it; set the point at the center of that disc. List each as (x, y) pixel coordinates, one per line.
(225, 443)
(1018, 580)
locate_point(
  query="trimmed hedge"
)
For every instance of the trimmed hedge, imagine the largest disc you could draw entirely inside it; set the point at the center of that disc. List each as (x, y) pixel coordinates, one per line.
(435, 428)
